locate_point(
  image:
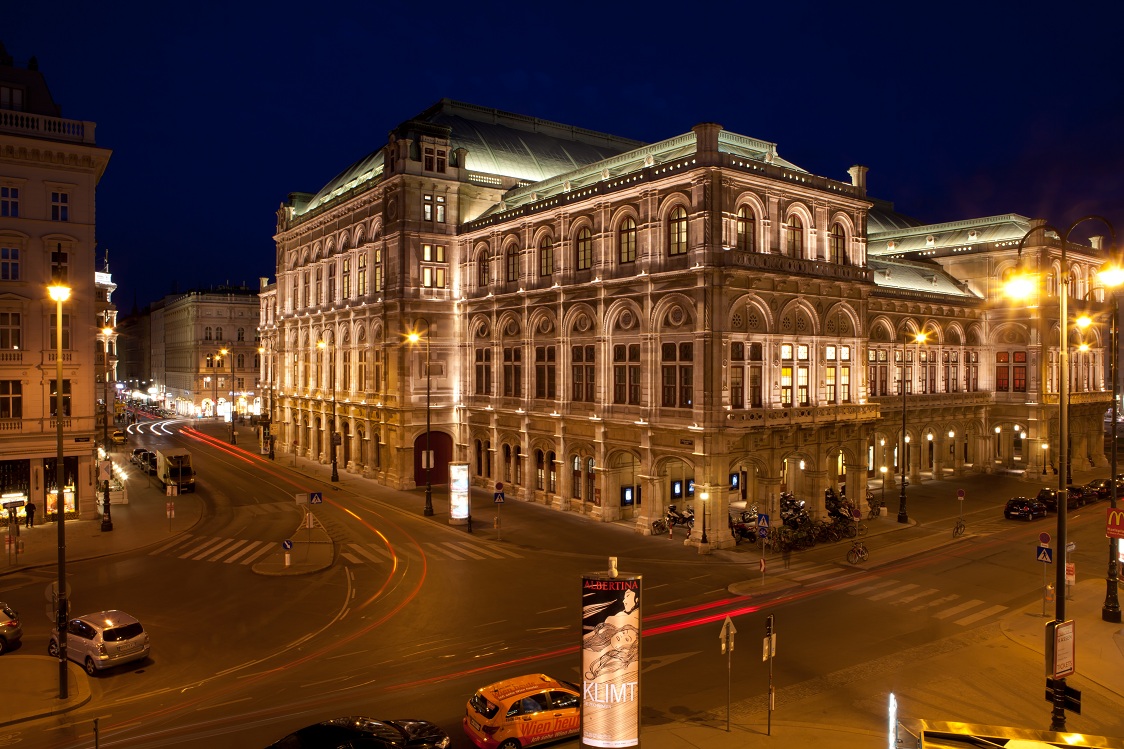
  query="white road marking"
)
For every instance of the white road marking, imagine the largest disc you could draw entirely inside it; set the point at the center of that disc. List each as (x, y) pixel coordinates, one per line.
(252, 545)
(957, 609)
(991, 611)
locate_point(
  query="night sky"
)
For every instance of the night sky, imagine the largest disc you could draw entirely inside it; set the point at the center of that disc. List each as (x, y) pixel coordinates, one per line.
(216, 111)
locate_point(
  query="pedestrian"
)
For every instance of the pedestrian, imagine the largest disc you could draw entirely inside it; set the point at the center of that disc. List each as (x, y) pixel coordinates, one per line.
(29, 512)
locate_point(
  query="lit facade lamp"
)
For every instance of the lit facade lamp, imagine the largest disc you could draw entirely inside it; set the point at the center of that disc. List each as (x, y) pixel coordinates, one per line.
(903, 514)
(323, 345)
(60, 294)
(1112, 276)
(1021, 286)
(414, 337)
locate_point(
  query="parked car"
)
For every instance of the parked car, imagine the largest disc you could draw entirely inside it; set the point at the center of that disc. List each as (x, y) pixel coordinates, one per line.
(102, 640)
(1049, 497)
(1026, 509)
(149, 464)
(10, 630)
(137, 458)
(119, 437)
(1098, 489)
(366, 732)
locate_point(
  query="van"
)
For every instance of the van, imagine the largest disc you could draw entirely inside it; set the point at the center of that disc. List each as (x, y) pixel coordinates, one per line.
(99, 641)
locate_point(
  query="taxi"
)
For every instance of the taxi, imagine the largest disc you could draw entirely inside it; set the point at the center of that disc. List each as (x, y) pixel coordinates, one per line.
(119, 437)
(524, 711)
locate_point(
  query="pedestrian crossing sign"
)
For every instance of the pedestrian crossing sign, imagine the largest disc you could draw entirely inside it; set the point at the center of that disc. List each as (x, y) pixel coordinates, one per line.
(316, 498)
(1045, 554)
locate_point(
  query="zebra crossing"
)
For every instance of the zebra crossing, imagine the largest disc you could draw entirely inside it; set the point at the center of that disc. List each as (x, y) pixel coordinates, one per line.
(244, 551)
(457, 551)
(933, 602)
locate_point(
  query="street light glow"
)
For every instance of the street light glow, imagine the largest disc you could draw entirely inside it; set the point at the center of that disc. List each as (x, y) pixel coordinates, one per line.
(58, 292)
(1020, 285)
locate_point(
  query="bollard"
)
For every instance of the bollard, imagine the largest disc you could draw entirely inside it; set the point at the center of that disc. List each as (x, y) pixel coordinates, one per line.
(286, 559)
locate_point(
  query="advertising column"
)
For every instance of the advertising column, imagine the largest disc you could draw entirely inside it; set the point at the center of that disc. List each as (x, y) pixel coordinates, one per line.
(610, 653)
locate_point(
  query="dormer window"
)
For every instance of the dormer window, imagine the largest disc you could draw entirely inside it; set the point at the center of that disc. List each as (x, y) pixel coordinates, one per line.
(435, 159)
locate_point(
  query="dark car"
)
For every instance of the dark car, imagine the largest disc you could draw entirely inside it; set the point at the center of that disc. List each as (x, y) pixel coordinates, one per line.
(1049, 497)
(138, 456)
(366, 732)
(149, 463)
(1098, 489)
(1021, 507)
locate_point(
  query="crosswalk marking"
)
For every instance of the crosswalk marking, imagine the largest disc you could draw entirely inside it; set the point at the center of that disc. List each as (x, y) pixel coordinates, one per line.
(935, 602)
(244, 550)
(170, 544)
(871, 588)
(923, 594)
(435, 547)
(463, 549)
(258, 553)
(208, 544)
(224, 552)
(813, 575)
(946, 613)
(973, 618)
(350, 557)
(365, 552)
(213, 549)
(893, 592)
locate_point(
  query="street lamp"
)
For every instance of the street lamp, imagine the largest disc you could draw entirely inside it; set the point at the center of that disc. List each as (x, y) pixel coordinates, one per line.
(60, 294)
(1020, 286)
(903, 515)
(323, 345)
(883, 469)
(414, 337)
(703, 497)
(1113, 276)
(1045, 447)
(233, 439)
(106, 518)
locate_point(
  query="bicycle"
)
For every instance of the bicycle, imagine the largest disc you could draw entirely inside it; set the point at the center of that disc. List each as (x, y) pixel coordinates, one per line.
(858, 552)
(659, 527)
(958, 529)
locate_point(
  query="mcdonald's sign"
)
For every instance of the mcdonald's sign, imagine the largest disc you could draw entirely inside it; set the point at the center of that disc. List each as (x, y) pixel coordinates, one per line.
(1114, 526)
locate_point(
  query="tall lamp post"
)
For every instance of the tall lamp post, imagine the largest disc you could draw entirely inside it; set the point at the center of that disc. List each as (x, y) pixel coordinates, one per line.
(60, 294)
(106, 518)
(1113, 276)
(414, 337)
(323, 346)
(233, 438)
(1021, 286)
(903, 515)
(268, 360)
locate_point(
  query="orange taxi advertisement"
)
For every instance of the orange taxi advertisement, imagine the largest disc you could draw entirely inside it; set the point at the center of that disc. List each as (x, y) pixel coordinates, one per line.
(523, 711)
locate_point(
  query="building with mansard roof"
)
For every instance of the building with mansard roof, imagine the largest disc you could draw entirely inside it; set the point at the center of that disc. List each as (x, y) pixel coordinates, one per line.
(608, 327)
(50, 167)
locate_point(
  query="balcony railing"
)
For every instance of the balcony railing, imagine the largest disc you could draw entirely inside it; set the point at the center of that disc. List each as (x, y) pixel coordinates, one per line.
(42, 126)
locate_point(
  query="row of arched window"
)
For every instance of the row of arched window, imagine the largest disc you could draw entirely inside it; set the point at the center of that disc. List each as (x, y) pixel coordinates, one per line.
(677, 244)
(207, 333)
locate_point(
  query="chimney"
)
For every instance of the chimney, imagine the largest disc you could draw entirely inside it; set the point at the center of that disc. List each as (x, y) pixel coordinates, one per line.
(706, 138)
(1097, 242)
(858, 177)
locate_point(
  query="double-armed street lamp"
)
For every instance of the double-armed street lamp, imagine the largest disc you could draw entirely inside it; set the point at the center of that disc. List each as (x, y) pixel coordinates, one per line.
(60, 293)
(1021, 286)
(323, 346)
(269, 394)
(414, 337)
(903, 515)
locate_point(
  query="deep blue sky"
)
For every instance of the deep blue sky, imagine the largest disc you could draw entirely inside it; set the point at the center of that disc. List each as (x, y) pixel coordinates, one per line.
(216, 111)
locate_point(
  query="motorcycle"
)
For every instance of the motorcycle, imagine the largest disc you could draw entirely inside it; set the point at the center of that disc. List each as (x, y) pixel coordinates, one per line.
(674, 517)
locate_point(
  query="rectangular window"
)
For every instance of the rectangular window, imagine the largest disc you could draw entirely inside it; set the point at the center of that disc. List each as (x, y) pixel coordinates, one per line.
(65, 398)
(433, 276)
(583, 361)
(9, 264)
(677, 375)
(11, 98)
(9, 202)
(378, 280)
(513, 372)
(802, 389)
(331, 283)
(845, 384)
(361, 275)
(65, 330)
(737, 386)
(483, 371)
(755, 391)
(11, 399)
(440, 208)
(60, 266)
(1019, 378)
(626, 374)
(345, 288)
(10, 335)
(786, 386)
(427, 207)
(829, 384)
(319, 286)
(60, 206)
(306, 289)
(546, 372)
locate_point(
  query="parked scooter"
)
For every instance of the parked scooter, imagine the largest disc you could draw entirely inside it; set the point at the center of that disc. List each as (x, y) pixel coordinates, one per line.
(674, 517)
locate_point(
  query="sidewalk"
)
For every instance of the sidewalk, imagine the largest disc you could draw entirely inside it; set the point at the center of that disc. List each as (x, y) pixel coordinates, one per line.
(144, 522)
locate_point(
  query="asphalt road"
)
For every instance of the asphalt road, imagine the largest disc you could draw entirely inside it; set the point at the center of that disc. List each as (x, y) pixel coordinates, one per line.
(415, 615)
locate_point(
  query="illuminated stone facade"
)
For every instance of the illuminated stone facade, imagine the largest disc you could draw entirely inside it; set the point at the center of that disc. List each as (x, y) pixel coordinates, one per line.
(615, 326)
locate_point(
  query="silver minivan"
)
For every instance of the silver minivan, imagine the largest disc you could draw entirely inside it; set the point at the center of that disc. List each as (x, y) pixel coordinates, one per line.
(10, 630)
(102, 640)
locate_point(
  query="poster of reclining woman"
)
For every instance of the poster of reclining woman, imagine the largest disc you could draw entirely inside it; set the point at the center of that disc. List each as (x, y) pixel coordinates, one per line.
(610, 661)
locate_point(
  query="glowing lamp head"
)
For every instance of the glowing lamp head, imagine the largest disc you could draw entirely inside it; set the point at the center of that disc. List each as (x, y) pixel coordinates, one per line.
(1112, 273)
(1020, 286)
(920, 338)
(1084, 321)
(58, 292)
(413, 337)
(107, 331)
(321, 345)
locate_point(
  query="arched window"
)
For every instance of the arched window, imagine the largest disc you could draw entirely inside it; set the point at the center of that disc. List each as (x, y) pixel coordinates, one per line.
(795, 236)
(837, 244)
(551, 474)
(507, 463)
(583, 249)
(207, 333)
(218, 334)
(512, 262)
(546, 257)
(626, 241)
(482, 276)
(677, 232)
(540, 471)
(747, 229)
(241, 334)
(576, 478)
(241, 361)
(590, 494)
